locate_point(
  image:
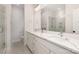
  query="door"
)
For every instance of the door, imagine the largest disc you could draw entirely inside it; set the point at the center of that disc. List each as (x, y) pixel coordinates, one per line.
(2, 25)
(17, 23)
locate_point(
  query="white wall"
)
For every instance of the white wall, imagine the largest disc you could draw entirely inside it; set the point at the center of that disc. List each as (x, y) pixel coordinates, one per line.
(69, 16)
(8, 27)
(29, 15)
(17, 23)
(37, 20)
(76, 20)
(2, 23)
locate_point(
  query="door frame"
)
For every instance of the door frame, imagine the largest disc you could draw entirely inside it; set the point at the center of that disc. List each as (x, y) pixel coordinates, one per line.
(7, 28)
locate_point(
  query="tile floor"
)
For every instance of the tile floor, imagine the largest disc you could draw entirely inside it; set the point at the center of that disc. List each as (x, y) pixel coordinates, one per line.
(19, 48)
(2, 49)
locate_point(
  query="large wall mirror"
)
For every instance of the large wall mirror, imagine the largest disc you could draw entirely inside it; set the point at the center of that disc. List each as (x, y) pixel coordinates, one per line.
(59, 17)
(52, 17)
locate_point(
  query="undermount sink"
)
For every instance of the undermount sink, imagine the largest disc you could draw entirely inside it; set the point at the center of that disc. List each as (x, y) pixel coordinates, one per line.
(50, 35)
(56, 37)
(64, 38)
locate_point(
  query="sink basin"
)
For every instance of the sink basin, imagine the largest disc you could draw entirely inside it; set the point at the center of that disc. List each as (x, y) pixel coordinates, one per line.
(50, 35)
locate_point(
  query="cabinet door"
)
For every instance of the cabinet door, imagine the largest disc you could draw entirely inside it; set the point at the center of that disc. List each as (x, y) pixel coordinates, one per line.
(28, 37)
(59, 50)
(39, 48)
(56, 49)
(30, 41)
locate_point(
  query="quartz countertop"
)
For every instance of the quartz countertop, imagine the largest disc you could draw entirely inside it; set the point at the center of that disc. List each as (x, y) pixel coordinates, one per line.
(68, 40)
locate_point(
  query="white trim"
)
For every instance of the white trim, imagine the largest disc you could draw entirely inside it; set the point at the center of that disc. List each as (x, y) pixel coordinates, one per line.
(8, 27)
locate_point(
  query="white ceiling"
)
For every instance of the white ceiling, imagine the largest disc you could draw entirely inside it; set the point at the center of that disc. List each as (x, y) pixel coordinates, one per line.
(18, 5)
(55, 6)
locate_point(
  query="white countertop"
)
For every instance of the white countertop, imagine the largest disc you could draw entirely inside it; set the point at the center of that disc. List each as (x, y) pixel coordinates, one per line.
(71, 43)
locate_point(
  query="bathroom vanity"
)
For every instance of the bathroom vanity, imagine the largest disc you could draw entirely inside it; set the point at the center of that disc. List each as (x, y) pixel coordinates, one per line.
(62, 31)
(50, 43)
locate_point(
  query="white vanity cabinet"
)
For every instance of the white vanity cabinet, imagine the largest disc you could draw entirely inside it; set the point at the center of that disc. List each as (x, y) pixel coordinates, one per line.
(30, 42)
(41, 46)
(54, 48)
(35, 46)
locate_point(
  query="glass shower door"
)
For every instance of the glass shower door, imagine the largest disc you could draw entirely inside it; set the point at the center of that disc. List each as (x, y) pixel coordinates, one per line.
(2, 25)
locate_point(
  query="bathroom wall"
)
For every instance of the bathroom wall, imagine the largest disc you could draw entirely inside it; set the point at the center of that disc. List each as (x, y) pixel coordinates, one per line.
(76, 20)
(37, 20)
(29, 17)
(2, 26)
(8, 10)
(17, 23)
(69, 16)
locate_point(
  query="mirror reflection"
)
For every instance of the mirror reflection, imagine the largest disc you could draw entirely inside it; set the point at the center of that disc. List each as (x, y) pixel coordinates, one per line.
(52, 18)
(59, 17)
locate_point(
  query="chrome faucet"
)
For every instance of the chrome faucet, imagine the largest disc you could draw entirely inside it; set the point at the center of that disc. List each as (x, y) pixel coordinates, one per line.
(61, 34)
(43, 29)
